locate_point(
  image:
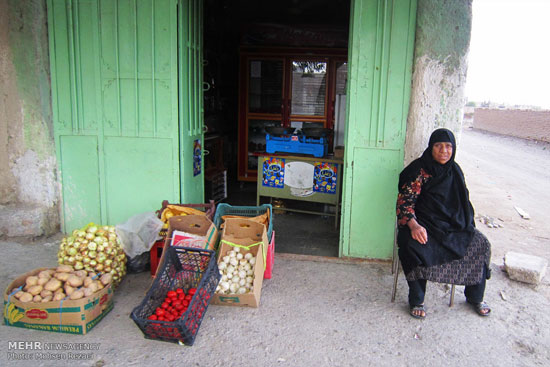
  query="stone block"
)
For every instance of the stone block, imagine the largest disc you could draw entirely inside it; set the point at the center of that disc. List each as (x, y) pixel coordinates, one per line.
(26, 220)
(525, 268)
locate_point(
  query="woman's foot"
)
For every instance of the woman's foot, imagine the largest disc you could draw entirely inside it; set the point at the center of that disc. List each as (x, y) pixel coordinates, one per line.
(481, 308)
(418, 312)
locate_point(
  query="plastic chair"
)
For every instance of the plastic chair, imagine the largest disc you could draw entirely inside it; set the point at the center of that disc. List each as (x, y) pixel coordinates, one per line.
(396, 266)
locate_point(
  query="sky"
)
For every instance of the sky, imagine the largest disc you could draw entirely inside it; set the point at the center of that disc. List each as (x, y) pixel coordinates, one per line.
(509, 59)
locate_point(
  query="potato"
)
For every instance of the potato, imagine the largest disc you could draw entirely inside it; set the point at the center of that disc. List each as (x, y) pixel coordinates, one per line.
(35, 290)
(45, 293)
(32, 280)
(26, 287)
(87, 291)
(47, 299)
(42, 281)
(37, 298)
(64, 269)
(88, 281)
(92, 274)
(59, 296)
(18, 294)
(99, 284)
(52, 285)
(81, 273)
(68, 289)
(78, 294)
(94, 286)
(106, 278)
(75, 281)
(59, 290)
(44, 274)
(62, 276)
(26, 297)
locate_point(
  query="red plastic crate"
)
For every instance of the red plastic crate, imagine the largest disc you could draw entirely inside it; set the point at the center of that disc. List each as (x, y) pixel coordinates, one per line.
(270, 257)
(155, 253)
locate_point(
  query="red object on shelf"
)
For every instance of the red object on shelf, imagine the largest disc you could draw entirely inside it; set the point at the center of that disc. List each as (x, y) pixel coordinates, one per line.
(270, 257)
(155, 253)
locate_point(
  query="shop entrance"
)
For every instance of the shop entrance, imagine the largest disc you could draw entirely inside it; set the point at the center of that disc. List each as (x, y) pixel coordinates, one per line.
(269, 66)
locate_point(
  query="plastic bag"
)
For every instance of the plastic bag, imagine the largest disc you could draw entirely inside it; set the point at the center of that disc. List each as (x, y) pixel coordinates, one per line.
(139, 233)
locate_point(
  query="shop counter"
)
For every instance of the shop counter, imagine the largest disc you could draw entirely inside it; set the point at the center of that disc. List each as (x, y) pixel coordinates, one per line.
(302, 178)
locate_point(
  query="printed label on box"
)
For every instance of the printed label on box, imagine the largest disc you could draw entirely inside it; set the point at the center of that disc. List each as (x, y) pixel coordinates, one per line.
(274, 172)
(324, 177)
(183, 239)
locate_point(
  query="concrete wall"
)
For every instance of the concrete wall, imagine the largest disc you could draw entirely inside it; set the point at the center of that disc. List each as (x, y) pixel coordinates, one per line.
(28, 180)
(524, 124)
(437, 98)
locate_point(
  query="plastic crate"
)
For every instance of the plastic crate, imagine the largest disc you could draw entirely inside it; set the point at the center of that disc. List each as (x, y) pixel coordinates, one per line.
(270, 258)
(154, 254)
(244, 211)
(182, 268)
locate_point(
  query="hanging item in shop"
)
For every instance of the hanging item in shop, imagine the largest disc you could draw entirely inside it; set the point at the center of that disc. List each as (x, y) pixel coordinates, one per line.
(274, 172)
(325, 177)
(197, 157)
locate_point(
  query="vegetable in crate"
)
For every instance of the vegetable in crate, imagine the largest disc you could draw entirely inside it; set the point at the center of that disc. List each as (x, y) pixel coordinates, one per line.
(173, 210)
(237, 271)
(62, 283)
(94, 249)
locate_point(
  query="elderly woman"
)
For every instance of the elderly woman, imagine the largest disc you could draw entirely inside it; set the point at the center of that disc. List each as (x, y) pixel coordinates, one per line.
(437, 237)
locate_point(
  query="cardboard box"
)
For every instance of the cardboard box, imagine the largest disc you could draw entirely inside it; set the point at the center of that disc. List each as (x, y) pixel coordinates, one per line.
(68, 316)
(247, 233)
(339, 152)
(197, 226)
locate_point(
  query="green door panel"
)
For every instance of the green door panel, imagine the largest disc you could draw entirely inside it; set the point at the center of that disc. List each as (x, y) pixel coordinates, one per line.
(132, 188)
(376, 202)
(380, 68)
(114, 72)
(191, 100)
(80, 181)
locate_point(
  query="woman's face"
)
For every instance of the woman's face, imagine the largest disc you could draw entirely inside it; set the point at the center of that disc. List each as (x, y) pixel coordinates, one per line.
(442, 152)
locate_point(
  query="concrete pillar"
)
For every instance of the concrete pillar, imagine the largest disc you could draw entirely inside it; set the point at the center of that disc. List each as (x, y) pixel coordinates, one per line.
(28, 168)
(439, 74)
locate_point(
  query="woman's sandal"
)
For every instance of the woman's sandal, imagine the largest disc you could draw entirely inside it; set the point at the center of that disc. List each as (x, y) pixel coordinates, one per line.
(415, 310)
(480, 306)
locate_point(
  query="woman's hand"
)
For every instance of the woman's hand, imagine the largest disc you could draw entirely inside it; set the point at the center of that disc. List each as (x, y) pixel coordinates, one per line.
(418, 232)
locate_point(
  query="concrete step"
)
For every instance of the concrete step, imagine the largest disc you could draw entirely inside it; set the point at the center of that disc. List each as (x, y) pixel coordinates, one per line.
(525, 268)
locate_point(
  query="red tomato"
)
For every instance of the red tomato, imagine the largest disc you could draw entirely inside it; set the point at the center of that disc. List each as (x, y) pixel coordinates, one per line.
(179, 307)
(152, 317)
(161, 318)
(179, 291)
(188, 297)
(185, 302)
(159, 312)
(171, 294)
(168, 300)
(164, 305)
(192, 291)
(170, 317)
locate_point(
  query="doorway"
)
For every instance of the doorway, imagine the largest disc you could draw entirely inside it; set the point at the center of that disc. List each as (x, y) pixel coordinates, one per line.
(272, 53)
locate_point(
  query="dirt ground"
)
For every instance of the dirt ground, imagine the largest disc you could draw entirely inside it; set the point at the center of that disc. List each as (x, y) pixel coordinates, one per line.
(338, 313)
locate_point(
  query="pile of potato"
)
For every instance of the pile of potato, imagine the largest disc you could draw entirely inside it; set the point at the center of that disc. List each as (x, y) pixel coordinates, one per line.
(60, 283)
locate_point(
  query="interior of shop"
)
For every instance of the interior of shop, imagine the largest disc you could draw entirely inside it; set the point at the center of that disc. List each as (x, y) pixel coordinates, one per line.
(275, 77)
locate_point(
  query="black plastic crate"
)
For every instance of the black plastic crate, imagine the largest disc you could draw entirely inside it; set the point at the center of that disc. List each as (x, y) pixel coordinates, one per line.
(184, 268)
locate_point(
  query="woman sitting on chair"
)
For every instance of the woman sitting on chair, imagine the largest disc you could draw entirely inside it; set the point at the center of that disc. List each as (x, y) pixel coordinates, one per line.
(437, 237)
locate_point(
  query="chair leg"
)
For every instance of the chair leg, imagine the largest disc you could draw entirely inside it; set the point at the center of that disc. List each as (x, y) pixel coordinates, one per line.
(452, 300)
(395, 277)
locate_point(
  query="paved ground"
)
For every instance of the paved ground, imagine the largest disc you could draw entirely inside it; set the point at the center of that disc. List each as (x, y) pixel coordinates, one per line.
(335, 313)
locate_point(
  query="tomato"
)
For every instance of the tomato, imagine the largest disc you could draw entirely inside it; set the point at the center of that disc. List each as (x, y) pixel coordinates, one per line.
(179, 291)
(171, 294)
(152, 317)
(164, 305)
(160, 312)
(179, 306)
(185, 303)
(188, 297)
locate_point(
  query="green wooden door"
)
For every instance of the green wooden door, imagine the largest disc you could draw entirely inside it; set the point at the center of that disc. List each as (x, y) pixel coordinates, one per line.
(191, 100)
(380, 61)
(114, 74)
